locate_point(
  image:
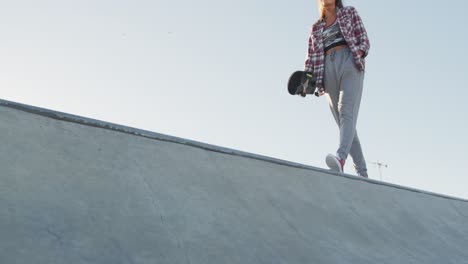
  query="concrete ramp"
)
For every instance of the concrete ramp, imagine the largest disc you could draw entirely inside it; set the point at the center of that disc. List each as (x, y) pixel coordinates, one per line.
(76, 190)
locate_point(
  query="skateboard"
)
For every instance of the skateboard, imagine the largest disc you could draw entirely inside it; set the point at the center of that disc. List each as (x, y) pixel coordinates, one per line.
(302, 83)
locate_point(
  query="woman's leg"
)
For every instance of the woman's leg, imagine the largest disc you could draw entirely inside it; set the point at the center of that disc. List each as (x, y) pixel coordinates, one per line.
(344, 84)
(358, 157)
(351, 87)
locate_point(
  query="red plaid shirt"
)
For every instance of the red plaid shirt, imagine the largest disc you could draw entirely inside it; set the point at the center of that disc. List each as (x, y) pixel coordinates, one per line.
(354, 34)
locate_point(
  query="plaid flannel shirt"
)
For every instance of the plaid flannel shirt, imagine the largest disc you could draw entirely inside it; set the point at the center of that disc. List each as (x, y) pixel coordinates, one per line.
(354, 34)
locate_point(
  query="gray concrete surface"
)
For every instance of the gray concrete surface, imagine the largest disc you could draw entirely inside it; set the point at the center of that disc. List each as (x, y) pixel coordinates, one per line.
(78, 190)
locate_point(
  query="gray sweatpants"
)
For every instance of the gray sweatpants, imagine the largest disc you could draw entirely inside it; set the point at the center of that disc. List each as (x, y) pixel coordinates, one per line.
(343, 84)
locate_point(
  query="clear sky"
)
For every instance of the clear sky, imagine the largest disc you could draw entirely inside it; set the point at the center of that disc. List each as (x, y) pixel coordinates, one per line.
(215, 71)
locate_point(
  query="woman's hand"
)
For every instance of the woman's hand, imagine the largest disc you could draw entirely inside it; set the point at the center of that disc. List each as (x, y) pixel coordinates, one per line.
(321, 91)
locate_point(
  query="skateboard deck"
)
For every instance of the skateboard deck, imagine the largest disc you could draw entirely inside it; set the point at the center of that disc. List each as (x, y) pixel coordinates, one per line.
(302, 83)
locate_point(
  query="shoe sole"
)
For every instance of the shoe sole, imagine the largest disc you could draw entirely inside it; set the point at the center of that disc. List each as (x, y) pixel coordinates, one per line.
(333, 164)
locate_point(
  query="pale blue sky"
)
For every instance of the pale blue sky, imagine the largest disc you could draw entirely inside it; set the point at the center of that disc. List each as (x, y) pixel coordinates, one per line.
(216, 71)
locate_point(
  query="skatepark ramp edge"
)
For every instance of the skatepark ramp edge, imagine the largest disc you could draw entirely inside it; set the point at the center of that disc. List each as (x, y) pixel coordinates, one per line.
(161, 137)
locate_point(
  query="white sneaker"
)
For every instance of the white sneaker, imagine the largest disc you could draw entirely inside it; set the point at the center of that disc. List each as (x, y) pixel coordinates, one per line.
(363, 175)
(335, 163)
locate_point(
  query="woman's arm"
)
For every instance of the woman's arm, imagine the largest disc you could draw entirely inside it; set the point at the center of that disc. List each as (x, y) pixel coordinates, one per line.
(308, 63)
(361, 33)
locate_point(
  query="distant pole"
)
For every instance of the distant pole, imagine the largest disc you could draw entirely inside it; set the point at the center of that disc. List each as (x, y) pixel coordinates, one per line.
(380, 165)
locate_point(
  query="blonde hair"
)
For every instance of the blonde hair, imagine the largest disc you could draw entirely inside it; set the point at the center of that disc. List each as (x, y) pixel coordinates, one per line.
(338, 4)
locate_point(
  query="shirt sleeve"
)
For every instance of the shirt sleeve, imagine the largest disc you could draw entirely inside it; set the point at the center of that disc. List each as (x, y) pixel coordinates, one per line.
(361, 33)
(308, 63)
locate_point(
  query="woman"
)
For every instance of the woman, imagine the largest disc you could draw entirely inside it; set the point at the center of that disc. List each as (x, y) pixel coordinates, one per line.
(338, 45)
